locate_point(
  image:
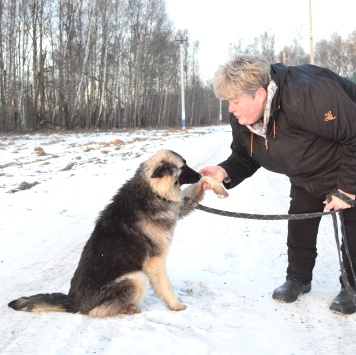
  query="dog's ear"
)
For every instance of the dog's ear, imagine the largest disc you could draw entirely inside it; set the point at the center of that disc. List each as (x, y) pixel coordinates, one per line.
(164, 169)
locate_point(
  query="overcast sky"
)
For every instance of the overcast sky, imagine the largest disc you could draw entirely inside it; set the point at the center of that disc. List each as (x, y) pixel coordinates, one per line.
(217, 23)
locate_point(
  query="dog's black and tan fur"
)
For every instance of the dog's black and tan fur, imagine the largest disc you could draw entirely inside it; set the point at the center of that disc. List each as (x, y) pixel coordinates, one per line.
(129, 243)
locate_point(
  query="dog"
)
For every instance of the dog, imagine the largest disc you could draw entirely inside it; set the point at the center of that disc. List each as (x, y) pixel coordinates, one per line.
(129, 243)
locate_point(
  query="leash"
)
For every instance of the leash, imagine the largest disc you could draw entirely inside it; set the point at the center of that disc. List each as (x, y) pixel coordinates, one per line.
(275, 217)
(263, 217)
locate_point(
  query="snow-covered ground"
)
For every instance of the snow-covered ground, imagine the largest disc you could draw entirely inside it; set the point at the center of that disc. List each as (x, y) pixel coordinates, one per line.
(224, 269)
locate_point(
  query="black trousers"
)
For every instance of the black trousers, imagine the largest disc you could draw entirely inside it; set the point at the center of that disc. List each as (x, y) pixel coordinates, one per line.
(302, 236)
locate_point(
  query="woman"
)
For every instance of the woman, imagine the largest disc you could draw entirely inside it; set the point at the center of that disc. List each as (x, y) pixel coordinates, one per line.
(299, 121)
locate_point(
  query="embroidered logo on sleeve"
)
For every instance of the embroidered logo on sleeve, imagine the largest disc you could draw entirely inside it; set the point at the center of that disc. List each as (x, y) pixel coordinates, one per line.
(329, 117)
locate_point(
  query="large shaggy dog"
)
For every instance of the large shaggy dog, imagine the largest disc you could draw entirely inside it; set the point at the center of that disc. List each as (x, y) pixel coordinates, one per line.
(129, 243)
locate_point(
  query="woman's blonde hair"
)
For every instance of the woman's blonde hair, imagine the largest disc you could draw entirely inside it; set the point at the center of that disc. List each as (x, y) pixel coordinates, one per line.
(244, 74)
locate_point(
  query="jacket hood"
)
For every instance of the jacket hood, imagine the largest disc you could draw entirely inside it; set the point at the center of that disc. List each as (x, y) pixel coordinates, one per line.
(278, 75)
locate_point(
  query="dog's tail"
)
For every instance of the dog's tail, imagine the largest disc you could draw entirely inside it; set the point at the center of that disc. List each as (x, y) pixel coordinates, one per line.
(44, 302)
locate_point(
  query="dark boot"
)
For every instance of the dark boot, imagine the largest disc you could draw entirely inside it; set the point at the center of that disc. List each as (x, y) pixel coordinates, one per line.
(290, 291)
(342, 303)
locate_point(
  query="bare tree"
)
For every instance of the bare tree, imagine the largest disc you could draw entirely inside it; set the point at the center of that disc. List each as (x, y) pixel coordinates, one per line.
(267, 47)
(351, 51)
(293, 54)
(332, 54)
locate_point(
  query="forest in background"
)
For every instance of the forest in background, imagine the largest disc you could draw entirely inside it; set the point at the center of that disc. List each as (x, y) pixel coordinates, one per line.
(104, 64)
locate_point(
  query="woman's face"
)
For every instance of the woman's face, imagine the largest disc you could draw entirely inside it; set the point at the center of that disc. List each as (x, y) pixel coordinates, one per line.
(248, 109)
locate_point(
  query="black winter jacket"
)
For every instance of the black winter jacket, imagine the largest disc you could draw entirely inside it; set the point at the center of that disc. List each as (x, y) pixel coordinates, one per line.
(311, 133)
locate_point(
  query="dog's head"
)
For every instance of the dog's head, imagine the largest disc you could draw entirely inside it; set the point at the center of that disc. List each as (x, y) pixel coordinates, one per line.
(172, 165)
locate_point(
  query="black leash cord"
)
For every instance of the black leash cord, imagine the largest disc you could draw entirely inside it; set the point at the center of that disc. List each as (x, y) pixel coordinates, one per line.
(263, 217)
(275, 217)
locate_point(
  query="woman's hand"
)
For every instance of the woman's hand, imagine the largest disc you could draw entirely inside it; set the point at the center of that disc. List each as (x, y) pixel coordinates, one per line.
(338, 204)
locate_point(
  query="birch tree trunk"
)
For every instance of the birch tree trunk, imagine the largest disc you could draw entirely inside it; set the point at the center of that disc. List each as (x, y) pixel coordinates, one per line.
(2, 72)
(84, 68)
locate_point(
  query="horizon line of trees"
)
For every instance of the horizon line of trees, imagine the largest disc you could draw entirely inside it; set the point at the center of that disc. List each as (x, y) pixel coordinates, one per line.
(336, 54)
(106, 64)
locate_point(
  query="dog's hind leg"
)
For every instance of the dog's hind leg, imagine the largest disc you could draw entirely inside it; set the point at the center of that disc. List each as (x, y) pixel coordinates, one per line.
(120, 296)
(155, 269)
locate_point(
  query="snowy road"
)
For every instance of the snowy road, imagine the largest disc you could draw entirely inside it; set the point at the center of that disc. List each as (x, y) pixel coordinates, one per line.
(224, 269)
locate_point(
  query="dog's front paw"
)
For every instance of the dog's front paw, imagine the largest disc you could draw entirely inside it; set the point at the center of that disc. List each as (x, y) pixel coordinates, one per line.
(217, 187)
(177, 307)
